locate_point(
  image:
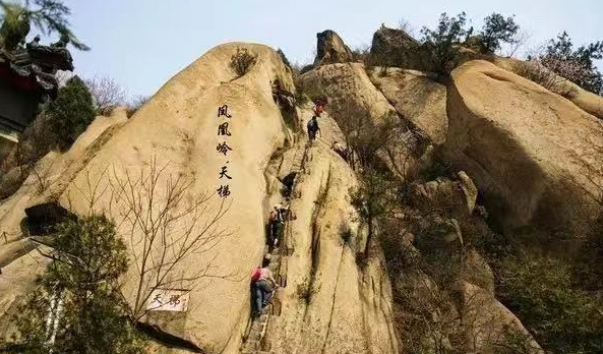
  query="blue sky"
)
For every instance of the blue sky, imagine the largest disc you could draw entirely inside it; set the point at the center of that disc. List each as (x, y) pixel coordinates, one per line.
(142, 43)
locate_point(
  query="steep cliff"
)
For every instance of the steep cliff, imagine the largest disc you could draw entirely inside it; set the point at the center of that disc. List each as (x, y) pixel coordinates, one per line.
(469, 162)
(157, 176)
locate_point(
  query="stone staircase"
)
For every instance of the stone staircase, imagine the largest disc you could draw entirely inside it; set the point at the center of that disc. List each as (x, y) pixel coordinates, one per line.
(254, 342)
(299, 159)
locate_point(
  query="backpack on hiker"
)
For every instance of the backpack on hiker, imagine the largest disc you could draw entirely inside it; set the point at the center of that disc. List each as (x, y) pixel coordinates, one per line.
(257, 273)
(312, 125)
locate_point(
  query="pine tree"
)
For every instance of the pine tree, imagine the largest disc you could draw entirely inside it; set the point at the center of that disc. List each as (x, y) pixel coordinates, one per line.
(71, 112)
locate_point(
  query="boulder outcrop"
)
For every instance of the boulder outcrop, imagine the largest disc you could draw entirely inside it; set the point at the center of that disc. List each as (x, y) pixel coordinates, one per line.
(488, 324)
(331, 49)
(356, 104)
(417, 97)
(396, 48)
(532, 153)
(456, 198)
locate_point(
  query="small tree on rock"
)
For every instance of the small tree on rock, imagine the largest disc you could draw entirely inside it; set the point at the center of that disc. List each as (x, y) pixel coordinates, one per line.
(242, 61)
(79, 307)
(442, 41)
(71, 112)
(497, 30)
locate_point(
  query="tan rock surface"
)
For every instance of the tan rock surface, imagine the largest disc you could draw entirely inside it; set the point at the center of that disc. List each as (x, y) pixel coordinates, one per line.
(176, 131)
(488, 323)
(417, 97)
(331, 49)
(351, 311)
(351, 93)
(587, 101)
(530, 151)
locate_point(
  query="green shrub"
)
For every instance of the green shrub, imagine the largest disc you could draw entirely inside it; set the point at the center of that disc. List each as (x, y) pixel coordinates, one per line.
(88, 260)
(242, 61)
(541, 291)
(71, 112)
(442, 43)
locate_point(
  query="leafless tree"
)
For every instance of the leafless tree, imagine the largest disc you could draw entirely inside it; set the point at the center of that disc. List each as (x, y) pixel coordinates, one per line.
(518, 46)
(166, 224)
(362, 54)
(135, 104)
(540, 74)
(43, 175)
(406, 26)
(106, 93)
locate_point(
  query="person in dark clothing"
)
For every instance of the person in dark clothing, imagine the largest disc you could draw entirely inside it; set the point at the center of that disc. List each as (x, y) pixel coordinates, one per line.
(288, 182)
(277, 221)
(313, 128)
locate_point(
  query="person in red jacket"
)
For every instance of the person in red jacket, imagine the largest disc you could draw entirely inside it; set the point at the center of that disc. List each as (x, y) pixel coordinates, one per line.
(263, 285)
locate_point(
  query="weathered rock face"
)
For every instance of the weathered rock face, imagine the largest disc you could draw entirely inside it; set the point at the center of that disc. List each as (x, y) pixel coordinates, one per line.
(531, 152)
(456, 198)
(351, 95)
(392, 47)
(349, 309)
(171, 143)
(488, 323)
(444, 287)
(417, 97)
(587, 101)
(331, 49)
(168, 152)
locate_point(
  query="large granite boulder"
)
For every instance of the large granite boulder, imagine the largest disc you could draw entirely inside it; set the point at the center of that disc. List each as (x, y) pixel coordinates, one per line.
(331, 49)
(455, 198)
(393, 47)
(417, 96)
(534, 154)
(354, 98)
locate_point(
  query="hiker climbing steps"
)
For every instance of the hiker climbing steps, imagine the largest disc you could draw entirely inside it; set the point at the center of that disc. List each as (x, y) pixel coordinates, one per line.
(278, 259)
(280, 236)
